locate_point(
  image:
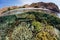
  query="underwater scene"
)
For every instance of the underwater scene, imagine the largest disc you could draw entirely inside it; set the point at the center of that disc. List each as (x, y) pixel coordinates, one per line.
(31, 25)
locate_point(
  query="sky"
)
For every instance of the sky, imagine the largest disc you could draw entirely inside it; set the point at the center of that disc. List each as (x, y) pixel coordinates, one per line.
(7, 3)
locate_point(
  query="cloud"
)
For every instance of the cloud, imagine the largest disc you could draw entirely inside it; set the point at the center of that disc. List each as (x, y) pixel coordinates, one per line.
(58, 0)
(28, 1)
(59, 7)
(23, 2)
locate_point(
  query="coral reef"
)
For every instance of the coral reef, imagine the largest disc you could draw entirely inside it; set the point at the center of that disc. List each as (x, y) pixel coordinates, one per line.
(29, 26)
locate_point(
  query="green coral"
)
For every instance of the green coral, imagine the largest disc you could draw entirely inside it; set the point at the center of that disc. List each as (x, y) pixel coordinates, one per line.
(37, 25)
(30, 16)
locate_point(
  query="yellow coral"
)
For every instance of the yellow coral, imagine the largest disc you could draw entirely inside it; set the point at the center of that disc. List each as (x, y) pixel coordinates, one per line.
(45, 36)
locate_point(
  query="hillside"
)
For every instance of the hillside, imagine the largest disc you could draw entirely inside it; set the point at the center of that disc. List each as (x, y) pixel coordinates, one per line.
(51, 6)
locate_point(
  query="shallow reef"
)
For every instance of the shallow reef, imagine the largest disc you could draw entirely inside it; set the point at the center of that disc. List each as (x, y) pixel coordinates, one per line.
(30, 26)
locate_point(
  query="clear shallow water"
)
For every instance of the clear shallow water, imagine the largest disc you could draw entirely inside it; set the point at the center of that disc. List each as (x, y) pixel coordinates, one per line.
(11, 21)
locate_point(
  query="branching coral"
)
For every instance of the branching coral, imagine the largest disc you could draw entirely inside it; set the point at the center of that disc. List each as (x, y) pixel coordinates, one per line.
(45, 32)
(45, 36)
(37, 25)
(22, 33)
